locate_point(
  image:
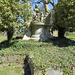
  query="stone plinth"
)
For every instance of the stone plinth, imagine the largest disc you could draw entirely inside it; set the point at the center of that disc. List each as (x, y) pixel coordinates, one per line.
(40, 31)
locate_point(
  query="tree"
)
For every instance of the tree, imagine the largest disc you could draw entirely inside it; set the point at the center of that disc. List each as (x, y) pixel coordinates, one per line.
(10, 10)
(64, 16)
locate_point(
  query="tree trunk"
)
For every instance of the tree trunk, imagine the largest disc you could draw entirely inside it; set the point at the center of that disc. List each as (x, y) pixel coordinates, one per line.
(10, 34)
(61, 32)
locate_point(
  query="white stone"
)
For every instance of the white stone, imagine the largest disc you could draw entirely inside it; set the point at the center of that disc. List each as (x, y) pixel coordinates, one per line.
(55, 33)
(27, 34)
(51, 71)
(38, 33)
(26, 37)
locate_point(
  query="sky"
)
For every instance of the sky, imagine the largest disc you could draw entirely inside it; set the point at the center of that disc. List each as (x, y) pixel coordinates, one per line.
(40, 4)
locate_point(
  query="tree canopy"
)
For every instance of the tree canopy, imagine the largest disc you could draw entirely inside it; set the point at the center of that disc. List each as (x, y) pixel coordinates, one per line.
(10, 10)
(64, 16)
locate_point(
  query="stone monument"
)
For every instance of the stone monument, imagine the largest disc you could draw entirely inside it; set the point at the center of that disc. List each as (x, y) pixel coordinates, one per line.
(39, 29)
(36, 14)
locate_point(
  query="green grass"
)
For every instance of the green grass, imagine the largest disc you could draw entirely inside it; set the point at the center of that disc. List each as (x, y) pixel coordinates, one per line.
(11, 70)
(2, 38)
(17, 36)
(71, 36)
(56, 53)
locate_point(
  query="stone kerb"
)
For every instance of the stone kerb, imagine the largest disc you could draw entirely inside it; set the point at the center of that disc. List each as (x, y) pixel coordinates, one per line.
(12, 59)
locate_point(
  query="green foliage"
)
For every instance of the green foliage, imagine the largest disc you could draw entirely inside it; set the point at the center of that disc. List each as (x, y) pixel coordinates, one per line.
(10, 11)
(64, 14)
(10, 70)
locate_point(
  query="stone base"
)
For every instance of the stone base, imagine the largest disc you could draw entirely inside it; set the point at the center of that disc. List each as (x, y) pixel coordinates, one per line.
(26, 38)
(27, 34)
(38, 32)
(38, 38)
(35, 39)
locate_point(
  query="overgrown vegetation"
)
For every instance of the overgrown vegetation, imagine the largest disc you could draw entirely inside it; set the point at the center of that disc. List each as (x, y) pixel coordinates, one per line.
(58, 53)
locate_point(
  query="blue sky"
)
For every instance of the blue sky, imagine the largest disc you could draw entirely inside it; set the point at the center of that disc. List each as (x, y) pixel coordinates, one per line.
(40, 4)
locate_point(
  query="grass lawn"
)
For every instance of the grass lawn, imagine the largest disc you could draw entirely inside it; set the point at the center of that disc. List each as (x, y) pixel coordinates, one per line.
(2, 38)
(56, 52)
(71, 36)
(18, 36)
(11, 70)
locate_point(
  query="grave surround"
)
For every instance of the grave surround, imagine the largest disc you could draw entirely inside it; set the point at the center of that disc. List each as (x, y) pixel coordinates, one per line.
(19, 61)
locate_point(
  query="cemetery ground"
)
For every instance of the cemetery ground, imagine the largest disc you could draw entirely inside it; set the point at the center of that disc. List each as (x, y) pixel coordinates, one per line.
(57, 53)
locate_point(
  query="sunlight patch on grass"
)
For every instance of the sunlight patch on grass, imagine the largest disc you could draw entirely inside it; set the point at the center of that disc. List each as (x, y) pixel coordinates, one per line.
(2, 38)
(10, 70)
(71, 36)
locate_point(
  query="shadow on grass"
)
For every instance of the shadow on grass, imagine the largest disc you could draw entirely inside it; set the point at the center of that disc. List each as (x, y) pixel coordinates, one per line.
(26, 67)
(17, 38)
(6, 44)
(62, 42)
